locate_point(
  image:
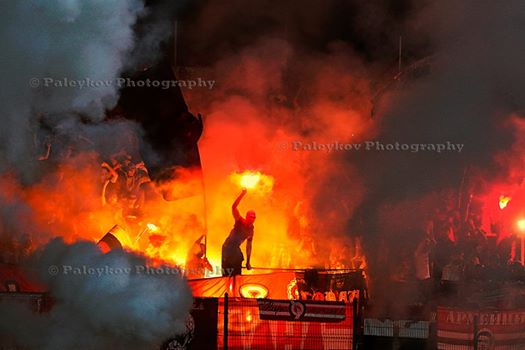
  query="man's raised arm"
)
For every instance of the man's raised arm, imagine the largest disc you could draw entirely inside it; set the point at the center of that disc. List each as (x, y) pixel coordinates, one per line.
(235, 211)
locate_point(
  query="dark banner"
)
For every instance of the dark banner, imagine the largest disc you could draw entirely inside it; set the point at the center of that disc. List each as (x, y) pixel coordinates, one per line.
(330, 286)
(201, 328)
(309, 285)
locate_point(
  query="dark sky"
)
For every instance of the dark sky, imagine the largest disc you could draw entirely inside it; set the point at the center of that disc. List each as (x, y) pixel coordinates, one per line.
(211, 29)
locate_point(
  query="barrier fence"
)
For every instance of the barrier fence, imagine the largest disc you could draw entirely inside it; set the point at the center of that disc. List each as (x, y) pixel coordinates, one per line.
(241, 323)
(397, 334)
(285, 324)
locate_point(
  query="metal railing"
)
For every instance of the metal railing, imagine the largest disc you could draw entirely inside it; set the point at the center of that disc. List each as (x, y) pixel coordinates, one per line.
(240, 327)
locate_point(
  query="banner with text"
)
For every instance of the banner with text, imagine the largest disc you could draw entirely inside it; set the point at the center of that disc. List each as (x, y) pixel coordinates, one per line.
(488, 329)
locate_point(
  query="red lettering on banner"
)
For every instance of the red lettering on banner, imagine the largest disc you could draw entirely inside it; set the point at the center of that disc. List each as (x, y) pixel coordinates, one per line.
(306, 295)
(343, 297)
(496, 329)
(459, 317)
(502, 318)
(494, 318)
(318, 296)
(330, 296)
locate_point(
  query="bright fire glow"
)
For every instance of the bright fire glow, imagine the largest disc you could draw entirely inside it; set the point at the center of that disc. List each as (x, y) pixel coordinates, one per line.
(153, 228)
(504, 201)
(253, 180)
(250, 180)
(253, 290)
(78, 199)
(521, 224)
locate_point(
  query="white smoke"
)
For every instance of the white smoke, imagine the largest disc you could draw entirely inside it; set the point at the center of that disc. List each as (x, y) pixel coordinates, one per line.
(43, 42)
(57, 39)
(101, 301)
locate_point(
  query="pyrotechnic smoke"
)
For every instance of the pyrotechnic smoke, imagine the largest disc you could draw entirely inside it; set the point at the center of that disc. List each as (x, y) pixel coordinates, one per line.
(45, 46)
(101, 301)
(48, 122)
(294, 84)
(59, 40)
(264, 104)
(297, 76)
(473, 87)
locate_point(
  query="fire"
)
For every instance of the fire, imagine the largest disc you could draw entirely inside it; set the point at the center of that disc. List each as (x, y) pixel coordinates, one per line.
(86, 206)
(504, 201)
(253, 180)
(153, 228)
(521, 224)
(250, 180)
(89, 193)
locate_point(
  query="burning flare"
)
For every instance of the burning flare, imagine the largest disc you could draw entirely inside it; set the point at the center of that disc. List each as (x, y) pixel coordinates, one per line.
(153, 228)
(253, 180)
(521, 224)
(250, 180)
(503, 201)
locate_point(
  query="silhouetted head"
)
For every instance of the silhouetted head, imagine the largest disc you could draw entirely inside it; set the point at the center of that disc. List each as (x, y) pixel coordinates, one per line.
(250, 216)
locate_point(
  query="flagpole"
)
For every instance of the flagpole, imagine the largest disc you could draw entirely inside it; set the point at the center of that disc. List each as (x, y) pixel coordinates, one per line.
(204, 204)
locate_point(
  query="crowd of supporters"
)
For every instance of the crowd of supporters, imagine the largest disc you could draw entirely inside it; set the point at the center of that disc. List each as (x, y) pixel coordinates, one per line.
(457, 260)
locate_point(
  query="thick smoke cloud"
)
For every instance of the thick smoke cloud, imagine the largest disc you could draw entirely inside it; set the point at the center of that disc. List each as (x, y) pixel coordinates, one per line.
(270, 95)
(303, 72)
(46, 42)
(118, 305)
(467, 87)
(473, 87)
(47, 122)
(471, 95)
(293, 72)
(58, 39)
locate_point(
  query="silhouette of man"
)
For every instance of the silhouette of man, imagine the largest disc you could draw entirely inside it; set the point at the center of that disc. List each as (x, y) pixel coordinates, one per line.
(232, 257)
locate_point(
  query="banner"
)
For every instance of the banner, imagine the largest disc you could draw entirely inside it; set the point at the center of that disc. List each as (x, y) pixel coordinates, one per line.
(330, 285)
(292, 310)
(310, 285)
(247, 330)
(201, 328)
(273, 286)
(490, 329)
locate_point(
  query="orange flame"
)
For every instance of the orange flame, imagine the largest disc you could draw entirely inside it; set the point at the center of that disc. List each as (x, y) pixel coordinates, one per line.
(253, 180)
(153, 228)
(250, 180)
(521, 224)
(503, 201)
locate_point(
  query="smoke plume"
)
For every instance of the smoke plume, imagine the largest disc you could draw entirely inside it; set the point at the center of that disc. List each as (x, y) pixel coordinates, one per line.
(471, 91)
(100, 301)
(53, 136)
